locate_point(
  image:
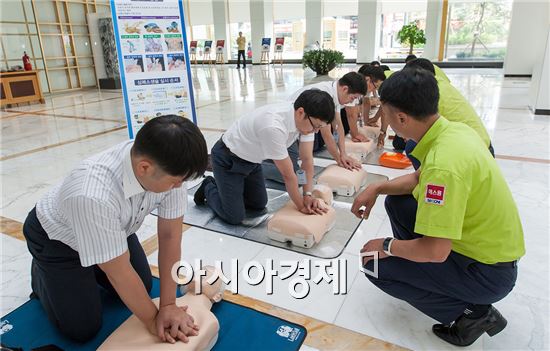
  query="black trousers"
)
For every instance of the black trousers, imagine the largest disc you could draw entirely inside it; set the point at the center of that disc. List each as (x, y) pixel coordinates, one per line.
(439, 290)
(271, 172)
(319, 142)
(68, 292)
(239, 54)
(239, 185)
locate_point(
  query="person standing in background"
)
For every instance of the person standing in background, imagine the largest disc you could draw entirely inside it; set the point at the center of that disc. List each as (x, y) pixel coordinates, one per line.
(241, 43)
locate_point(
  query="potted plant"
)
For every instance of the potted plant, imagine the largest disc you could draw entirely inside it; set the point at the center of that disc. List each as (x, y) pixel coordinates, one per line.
(322, 61)
(411, 35)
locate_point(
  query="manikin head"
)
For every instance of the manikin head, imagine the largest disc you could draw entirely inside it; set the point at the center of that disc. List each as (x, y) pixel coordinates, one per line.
(167, 151)
(313, 110)
(212, 290)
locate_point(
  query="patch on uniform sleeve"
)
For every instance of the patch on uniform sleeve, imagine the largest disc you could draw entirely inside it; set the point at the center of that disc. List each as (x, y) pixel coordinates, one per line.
(435, 194)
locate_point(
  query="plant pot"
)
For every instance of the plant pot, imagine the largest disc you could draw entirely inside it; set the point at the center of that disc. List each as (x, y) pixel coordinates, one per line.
(323, 72)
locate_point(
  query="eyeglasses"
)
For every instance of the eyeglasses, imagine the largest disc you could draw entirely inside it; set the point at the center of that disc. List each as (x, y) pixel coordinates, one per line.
(376, 84)
(314, 126)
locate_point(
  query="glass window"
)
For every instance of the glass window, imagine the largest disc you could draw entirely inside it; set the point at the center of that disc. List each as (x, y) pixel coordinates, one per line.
(201, 33)
(234, 29)
(340, 33)
(477, 30)
(391, 24)
(14, 45)
(12, 11)
(294, 32)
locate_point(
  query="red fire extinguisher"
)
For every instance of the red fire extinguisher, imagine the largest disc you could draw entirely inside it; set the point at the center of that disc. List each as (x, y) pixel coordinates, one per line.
(26, 62)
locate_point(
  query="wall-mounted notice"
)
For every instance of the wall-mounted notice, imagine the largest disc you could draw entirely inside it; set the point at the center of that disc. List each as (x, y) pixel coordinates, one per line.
(152, 49)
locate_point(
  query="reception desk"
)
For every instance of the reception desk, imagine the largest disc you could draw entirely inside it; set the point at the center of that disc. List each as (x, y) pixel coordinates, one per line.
(20, 86)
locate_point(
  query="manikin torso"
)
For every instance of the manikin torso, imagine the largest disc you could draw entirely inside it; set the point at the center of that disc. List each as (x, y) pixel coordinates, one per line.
(133, 335)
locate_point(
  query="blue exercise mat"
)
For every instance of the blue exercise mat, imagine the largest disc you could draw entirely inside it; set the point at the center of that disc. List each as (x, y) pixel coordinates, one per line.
(241, 328)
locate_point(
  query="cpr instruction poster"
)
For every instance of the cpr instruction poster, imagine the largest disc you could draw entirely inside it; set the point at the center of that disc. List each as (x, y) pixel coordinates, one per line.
(153, 58)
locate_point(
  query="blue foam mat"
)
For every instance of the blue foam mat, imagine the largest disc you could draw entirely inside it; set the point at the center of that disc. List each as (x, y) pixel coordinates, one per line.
(241, 328)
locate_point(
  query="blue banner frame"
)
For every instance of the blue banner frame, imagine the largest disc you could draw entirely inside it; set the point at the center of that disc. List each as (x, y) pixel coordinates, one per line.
(183, 27)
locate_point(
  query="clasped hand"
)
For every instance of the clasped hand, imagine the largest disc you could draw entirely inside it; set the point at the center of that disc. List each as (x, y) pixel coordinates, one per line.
(313, 206)
(172, 323)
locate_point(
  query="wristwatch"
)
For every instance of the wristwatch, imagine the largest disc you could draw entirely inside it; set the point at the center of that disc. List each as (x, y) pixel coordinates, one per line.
(386, 246)
(308, 193)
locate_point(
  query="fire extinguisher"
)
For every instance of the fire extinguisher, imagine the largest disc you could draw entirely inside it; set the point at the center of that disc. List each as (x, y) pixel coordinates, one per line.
(26, 62)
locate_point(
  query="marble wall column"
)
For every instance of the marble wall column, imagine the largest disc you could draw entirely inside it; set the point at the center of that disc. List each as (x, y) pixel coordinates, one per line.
(261, 23)
(221, 31)
(314, 22)
(367, 38)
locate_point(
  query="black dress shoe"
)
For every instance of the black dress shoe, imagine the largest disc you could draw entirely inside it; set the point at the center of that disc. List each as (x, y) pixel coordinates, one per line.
(199, 197)
(464, 331)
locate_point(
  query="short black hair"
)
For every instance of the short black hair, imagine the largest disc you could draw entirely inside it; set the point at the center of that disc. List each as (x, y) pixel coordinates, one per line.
(355, 82)
(373, 72)
(317, 104)
(421, 63)
(375, 63)
(175, 144)
(410, 58)
(385, 68)
(413, 91)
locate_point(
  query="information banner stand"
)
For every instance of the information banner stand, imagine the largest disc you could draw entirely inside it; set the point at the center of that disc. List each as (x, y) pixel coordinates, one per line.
(155, 75)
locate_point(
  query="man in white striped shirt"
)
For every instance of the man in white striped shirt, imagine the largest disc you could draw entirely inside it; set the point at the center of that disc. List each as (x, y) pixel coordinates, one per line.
(81, 234)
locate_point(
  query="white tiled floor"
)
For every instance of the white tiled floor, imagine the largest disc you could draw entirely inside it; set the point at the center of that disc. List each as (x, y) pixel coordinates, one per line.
(222, 95)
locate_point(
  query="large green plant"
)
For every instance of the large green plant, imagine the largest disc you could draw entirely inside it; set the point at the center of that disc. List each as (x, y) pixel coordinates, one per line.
(411, 35)
(322, 61)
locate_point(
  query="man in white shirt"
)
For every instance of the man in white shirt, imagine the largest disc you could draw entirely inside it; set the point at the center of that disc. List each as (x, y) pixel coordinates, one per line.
(81, 234)
(266, 133)
(344, 92)
(374, 76)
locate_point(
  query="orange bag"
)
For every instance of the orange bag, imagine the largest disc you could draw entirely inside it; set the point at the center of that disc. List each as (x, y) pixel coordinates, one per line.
(394, 160)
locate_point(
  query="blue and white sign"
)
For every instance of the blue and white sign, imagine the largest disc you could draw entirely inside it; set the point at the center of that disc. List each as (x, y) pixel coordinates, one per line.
(154, 63)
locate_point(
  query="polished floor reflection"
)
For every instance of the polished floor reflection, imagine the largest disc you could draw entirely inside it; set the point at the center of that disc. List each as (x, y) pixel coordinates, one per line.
(41, 143)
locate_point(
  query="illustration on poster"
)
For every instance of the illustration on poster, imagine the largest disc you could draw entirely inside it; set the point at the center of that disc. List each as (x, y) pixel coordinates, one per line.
(134, 28)
(153, 45)
(174, 44)
(173, 28)
(152, 27)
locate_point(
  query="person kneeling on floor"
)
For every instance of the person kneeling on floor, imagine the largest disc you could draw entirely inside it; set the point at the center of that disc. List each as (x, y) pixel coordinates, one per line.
(81, 234)
(457, 234)
(266, 133)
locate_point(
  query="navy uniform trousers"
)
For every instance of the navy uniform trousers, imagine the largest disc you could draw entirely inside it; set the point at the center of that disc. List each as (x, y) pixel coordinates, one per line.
(440, 290)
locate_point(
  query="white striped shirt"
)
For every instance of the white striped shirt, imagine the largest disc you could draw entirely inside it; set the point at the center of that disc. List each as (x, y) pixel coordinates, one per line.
(100, 203)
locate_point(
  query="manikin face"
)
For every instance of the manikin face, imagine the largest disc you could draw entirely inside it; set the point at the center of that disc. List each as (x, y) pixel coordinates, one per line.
(213, 291)
(154, 179)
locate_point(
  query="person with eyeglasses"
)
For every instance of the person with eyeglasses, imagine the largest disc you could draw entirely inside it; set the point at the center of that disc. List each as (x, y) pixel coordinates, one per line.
(345, 91)
(266, 133)
(374, 76)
